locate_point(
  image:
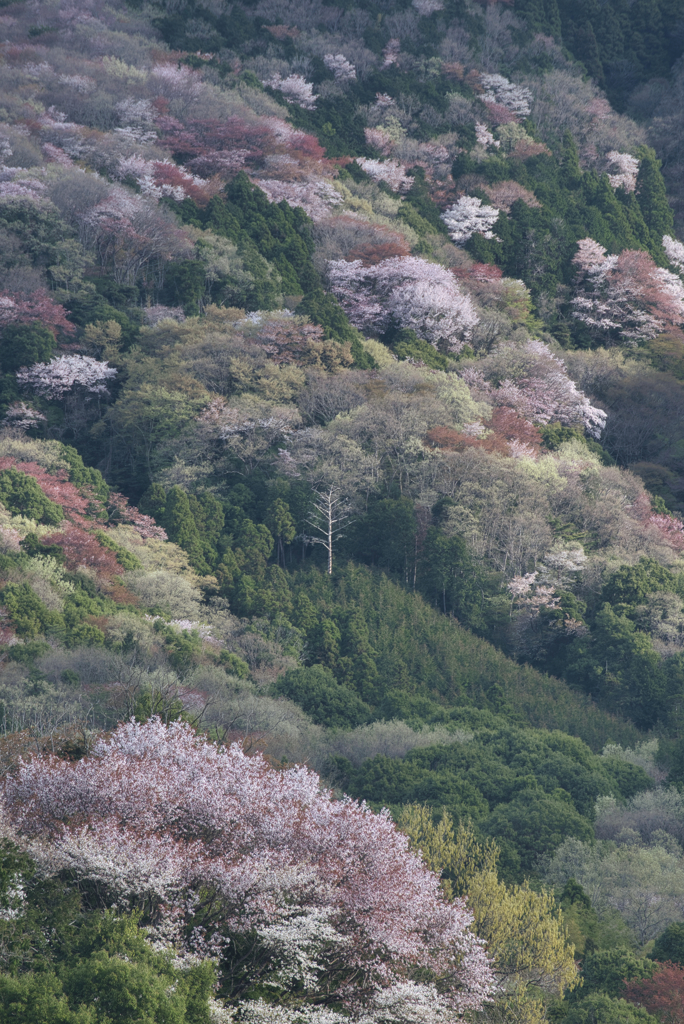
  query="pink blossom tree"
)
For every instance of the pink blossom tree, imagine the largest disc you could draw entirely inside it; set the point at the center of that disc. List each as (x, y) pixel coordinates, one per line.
(541, 390)
(626, 294)
(408, 291)
(299, 891)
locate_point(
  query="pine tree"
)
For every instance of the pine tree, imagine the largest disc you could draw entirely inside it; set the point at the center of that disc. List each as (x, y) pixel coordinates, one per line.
(181, 527)
(652, 196)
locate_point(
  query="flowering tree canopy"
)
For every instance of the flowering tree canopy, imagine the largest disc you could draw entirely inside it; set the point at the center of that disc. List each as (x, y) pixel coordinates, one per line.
(500, 91)
(296, 89)
(541, 392)
(226, 847)
(408, 291)
(467, 217)
(61, 375)
(343, 70)
(626, 293)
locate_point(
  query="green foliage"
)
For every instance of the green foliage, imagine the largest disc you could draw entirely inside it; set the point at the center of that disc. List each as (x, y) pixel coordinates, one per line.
(25, 344)
(670, 945)
(605, 971)
(527, 789)
(20, 493)
(28, 614)
(326, 702)
(601, 1009)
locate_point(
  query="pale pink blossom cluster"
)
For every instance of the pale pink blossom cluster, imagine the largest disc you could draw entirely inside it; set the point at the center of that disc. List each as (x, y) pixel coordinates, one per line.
(390, 54)
(628, 293)
(542, 394)
(61, 375)
(427, 7)
(467, 217)
(343, 70)
(316, 197)
(294, 88)
(674, 251)
(386, 170)
(153, 315)
(408, 291)
(178, 80)
(162, 820)
(484, 137)
(380, 139)
(21, 416)
(625, 169)
(515, 98)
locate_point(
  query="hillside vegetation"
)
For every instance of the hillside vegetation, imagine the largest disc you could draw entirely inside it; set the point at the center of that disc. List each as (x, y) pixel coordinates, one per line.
(341, 420)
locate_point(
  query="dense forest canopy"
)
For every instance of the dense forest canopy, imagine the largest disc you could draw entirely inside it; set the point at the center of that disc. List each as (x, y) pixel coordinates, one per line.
(341, 512)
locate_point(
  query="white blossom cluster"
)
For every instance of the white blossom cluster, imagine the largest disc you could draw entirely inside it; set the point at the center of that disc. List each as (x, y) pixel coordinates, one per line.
(343, 70)
(515, 98)
(55, 379)
(467, 217)
(484, 136)
(674, 251)
(294, 88)
(427, 7)
(316, 197)
(21, 416)
(625, 170)
(386, 170)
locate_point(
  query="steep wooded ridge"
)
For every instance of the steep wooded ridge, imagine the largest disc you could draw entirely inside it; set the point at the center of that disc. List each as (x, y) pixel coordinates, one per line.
(341, 425)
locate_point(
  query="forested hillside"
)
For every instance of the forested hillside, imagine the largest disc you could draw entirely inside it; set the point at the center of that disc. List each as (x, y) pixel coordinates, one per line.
(341, 512)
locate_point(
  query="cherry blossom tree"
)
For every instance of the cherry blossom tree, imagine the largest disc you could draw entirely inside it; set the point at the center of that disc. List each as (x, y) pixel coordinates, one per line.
(342, 69)
(468, 217)
(61, 375)
(391, 53)
(386, 170)
(294, 88)
(484, 137)
(408, 291)
(626, 294)
(674, 251)
(21, 416)
(222, 848)
(514, 97)
(625, 169)
(542, 391)
(316, 196)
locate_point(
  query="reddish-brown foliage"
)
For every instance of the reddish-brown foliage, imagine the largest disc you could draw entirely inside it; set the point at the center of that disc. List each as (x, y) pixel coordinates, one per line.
(38, 309)
(200, 141)
(82, 549)
(55, 487)
(302, 344)
(662, 995)
(498, 114)
(478, 272)
(282, 31)
(509, 435)
(169, 174)
(371, 253)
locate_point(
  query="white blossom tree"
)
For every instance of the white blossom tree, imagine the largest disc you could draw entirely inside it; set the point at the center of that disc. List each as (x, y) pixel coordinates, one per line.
(624, 168)
(343, 70)
(408, 291)
(294, 88)
(514, 97)
(674, 251)
(63, 374)
(469, 216)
